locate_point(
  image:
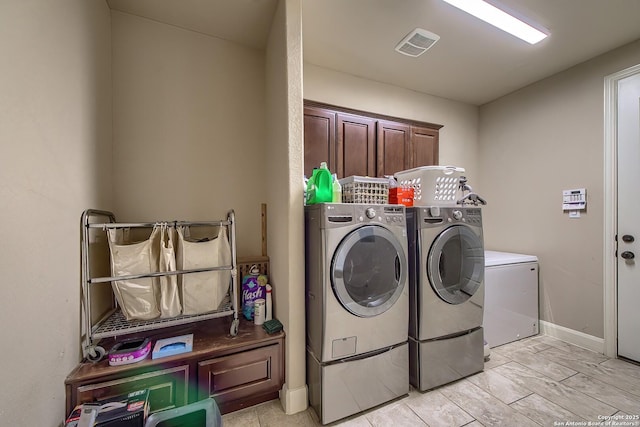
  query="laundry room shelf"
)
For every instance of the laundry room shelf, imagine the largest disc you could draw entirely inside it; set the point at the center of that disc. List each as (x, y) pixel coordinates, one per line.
(115, 323)
(103, 318)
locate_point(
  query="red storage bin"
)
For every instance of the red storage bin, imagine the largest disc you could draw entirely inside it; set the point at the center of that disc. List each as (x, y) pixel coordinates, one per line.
(401, 196)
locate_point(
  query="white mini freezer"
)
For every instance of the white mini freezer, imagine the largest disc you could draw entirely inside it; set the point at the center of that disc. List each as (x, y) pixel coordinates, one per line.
(511, 297)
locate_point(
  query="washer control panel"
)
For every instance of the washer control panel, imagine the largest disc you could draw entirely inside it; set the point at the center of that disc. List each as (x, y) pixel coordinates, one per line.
(341, 214)
(394, 215)
(391, 215)
(473, 216)
(434, 216)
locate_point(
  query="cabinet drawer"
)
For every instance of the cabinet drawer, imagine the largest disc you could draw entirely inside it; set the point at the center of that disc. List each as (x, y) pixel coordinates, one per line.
(241, 375)
(167, 388)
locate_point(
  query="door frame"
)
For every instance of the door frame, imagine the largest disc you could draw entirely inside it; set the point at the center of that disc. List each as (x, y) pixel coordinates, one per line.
(611, 208)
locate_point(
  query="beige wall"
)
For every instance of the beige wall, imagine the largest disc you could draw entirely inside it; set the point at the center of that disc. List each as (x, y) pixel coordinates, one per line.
(202, 125)
(188, 127)
(458, 136)
(533, 144)
(191, 140)
(284, 166)
(55, 162)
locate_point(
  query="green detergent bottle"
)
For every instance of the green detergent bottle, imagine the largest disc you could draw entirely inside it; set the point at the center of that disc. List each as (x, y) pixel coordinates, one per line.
(320, 185)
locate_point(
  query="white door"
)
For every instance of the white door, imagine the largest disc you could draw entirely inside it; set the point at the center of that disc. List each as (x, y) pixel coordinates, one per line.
(629, 217)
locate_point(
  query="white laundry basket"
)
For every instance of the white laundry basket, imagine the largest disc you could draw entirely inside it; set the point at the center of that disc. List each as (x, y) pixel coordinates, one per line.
(432, 185)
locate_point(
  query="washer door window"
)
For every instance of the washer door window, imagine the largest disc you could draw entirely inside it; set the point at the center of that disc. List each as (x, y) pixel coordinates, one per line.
(369, 270)
(455, 265)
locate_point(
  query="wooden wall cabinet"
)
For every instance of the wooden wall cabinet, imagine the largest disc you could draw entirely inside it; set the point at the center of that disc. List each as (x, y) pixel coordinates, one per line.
(320, 128)
(357, 143)
(236, 371)
(355, 153)
(394, 147)
(424, 146)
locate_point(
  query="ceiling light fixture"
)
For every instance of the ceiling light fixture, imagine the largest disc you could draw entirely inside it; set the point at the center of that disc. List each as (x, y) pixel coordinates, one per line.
(498, 18)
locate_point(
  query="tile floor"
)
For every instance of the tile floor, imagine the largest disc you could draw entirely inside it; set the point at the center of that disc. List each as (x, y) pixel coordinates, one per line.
(539, 381)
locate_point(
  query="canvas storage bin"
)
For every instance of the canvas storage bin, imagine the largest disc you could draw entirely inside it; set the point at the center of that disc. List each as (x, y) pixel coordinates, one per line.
(169, 303)
(205, 291)
(137, 298)
(432, 185)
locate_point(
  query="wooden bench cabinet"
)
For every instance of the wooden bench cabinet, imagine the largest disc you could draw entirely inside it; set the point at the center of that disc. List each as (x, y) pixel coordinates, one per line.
(236, 371)
(242, 379)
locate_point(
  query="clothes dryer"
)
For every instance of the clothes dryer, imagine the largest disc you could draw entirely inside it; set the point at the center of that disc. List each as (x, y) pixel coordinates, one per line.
(357, 307)
(446, 292)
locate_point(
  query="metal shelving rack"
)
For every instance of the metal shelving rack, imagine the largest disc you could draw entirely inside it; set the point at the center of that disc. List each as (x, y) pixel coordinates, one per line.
(113, 323)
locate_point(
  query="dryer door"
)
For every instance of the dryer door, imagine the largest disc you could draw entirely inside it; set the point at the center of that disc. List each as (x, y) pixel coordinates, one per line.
(369, 271)
(455, 265)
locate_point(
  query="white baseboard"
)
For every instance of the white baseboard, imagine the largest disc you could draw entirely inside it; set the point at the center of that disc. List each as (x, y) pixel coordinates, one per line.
(572, 336)
(294, 401)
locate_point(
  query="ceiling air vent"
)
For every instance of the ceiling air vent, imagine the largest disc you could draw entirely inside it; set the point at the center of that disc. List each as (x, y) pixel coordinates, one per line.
(417, 42)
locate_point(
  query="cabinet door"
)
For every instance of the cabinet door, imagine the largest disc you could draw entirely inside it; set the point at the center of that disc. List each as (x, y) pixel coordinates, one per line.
(319, 139)
(167, 388)
(241, 377)
(394, 152)
(365, 145)
(424, 147)
(356, 146)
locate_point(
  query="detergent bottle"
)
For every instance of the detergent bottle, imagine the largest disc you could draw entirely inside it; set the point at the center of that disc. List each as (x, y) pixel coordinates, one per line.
(337, 190)
(310, 192)
(320, 185)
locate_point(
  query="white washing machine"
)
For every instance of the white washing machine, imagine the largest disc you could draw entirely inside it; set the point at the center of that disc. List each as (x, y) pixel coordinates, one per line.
(446, 293)
(511, 297)
(357, 303)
